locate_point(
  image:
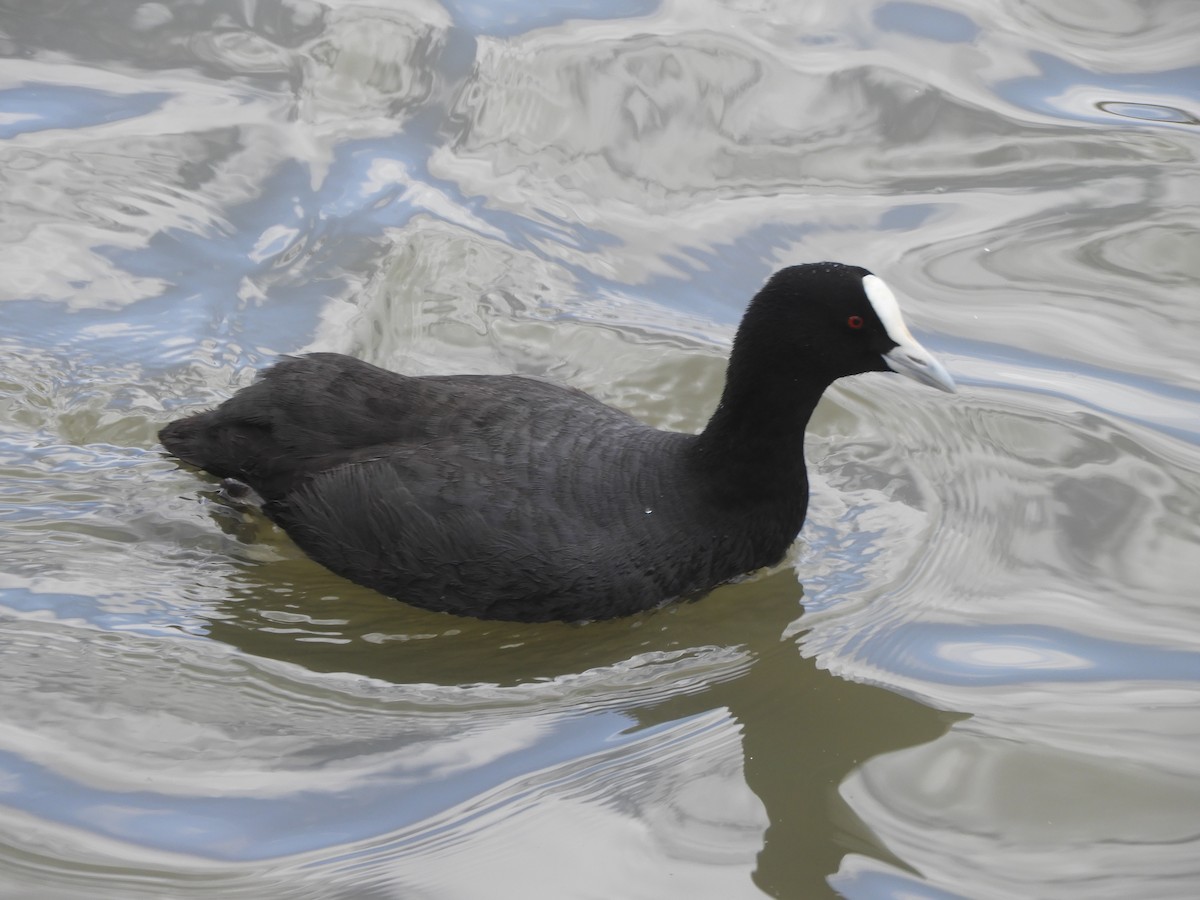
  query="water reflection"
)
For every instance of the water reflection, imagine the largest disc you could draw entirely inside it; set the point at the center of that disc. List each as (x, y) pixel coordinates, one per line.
(1149, 112)
(923, 20)
(1041, 806)
(589, 193)
(964, 654)
(35, 107)
(248, 759)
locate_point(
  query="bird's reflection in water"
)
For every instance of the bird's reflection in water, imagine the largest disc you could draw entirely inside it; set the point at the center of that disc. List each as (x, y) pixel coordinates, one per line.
(803, 729)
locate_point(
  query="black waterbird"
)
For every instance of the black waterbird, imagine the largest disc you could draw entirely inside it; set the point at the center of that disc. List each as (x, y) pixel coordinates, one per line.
(505, 497)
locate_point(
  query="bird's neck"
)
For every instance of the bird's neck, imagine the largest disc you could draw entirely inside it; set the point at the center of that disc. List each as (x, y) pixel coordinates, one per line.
(756, 433)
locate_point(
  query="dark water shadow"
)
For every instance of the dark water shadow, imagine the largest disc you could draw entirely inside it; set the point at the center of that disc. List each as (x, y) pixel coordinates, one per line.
(804, 729)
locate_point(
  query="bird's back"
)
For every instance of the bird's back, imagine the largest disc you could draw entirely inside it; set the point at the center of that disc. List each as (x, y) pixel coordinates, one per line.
(495, 496)
(308, 414)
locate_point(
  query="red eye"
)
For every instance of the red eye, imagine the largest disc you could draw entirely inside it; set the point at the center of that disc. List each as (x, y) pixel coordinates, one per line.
(855, 322)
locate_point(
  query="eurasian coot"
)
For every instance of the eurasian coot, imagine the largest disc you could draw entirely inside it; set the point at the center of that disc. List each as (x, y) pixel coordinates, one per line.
(505, 497)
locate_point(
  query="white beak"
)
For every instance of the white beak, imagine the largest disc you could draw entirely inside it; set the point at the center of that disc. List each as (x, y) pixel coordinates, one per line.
(908, 357)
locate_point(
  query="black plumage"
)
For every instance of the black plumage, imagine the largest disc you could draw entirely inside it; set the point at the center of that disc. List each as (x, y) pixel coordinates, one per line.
(508, 497)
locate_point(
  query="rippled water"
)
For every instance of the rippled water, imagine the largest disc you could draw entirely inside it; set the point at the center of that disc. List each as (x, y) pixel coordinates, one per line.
(988, 685)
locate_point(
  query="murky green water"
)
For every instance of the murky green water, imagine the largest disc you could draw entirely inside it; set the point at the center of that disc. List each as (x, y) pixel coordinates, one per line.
(988, 685)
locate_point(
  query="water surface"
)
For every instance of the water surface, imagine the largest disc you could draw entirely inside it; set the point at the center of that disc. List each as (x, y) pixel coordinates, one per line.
(978, 673)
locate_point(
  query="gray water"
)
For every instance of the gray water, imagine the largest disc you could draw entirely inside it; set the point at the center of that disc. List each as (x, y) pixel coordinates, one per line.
(978, 673)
